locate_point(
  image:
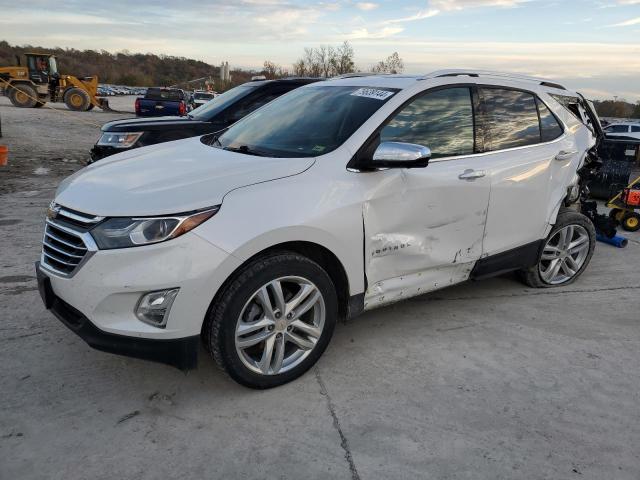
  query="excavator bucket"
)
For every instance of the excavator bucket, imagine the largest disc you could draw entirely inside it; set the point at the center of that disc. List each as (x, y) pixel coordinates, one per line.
(103, 103)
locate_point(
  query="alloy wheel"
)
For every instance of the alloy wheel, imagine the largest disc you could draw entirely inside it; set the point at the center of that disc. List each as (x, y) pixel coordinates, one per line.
(564, 254)
(280, 325)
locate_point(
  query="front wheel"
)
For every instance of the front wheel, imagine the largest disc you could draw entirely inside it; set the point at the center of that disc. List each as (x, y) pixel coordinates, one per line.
(273, 321)
(77, 99)
(566, 253)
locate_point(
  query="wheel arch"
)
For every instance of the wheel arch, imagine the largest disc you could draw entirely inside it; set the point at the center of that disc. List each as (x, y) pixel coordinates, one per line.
(320, 254)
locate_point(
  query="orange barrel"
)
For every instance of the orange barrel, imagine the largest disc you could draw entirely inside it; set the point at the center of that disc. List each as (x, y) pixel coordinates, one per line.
(4, 155)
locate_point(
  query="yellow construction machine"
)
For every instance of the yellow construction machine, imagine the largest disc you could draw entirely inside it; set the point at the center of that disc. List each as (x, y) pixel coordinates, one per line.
(39, 82)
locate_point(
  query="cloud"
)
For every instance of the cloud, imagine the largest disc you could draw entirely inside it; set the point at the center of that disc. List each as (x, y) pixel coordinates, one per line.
(367, 6)
(448, 5)
(364, 33)
(418, 16)
(627, 23)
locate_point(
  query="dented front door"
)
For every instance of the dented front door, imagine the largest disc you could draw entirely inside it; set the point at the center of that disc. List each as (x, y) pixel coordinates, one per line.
(423, 228)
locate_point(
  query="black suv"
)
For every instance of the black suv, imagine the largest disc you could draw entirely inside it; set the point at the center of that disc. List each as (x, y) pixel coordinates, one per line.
(219, 113)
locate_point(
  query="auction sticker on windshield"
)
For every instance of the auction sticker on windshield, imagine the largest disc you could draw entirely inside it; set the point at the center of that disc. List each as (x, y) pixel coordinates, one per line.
(373, 93)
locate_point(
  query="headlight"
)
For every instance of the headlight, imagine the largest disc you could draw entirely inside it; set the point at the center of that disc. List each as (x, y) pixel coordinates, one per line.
(119, 140)
(133, 232)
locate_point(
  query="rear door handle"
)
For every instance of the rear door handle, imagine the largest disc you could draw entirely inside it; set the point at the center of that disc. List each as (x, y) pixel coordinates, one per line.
(471, 174)
(565, 155)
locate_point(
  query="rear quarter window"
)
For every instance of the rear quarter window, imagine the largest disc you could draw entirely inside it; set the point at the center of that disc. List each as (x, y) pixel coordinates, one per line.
(550, 127)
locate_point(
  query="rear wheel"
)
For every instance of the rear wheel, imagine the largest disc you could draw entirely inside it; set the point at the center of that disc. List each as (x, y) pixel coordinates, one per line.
(631, 222)
(77, 99)
(273, 322)
(566, 253)
(23, 96)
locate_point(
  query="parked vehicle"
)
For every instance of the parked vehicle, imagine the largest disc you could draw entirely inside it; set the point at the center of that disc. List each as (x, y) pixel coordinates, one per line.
(629, 130)
(336, 198)
(159, 102)
(219, 113)
(200, 98)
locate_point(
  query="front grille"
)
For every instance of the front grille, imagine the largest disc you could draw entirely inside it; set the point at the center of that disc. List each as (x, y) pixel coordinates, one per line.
(66, 243)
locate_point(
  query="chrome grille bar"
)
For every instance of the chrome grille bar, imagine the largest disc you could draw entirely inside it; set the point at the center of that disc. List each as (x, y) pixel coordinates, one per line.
(65, 249)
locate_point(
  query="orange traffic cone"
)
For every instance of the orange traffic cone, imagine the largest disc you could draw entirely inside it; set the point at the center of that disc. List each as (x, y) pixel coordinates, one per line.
(4, 155)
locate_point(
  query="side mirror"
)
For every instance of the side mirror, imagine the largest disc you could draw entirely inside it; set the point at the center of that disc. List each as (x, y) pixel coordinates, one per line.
(400, 155)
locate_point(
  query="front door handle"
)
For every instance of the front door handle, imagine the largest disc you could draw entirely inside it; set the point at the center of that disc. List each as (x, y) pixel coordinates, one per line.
(565, 155)
(471, 174)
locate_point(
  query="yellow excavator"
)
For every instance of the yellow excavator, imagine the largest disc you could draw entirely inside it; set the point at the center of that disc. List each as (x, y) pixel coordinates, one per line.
(39, 82)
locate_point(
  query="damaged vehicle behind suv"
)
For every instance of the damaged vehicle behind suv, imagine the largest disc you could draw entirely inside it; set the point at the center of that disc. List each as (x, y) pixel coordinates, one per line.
(336, 198)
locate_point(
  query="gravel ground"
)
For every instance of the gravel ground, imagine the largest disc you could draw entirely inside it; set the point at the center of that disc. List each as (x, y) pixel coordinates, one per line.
(485, 380)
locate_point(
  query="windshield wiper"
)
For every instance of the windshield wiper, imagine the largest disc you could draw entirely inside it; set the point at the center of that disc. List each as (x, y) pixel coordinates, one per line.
(244, 149)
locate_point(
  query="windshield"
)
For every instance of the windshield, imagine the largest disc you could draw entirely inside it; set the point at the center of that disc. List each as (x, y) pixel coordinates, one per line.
(202, 96)
(306, 122)
(210, 109)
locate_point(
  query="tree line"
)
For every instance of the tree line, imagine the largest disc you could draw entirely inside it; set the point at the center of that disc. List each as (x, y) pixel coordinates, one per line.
(328, 61)
(617, 109)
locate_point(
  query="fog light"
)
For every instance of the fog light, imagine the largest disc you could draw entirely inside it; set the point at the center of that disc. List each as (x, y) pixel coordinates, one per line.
(153, 307)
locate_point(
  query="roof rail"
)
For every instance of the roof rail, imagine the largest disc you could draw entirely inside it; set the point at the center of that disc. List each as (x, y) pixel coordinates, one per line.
(356, 75)
(489, 73)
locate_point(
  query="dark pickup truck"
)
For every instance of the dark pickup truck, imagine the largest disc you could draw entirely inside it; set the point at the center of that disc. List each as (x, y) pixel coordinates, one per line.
(159, 102)
(215, 115)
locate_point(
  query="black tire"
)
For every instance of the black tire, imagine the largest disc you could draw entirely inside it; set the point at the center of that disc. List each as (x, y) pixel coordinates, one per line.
(23, 96)
(224, 313)
(615, 214)
(631, 222)
(90, 107)
(77, 99)
(532, 276)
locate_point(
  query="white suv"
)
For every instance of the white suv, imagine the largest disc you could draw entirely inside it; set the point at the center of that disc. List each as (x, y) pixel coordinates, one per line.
(334, 199)
(631, 130)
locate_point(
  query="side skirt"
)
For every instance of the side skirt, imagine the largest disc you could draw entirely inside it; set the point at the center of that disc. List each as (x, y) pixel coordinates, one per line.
(515, 259)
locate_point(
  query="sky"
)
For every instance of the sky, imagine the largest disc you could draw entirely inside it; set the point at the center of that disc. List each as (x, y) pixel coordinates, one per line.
(591, 45)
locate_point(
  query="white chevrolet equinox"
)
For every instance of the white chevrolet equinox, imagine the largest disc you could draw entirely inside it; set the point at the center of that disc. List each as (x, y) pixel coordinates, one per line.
(334, 199)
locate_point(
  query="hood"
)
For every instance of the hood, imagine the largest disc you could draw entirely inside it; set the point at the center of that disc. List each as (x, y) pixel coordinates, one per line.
(168, 178)
(148, 124)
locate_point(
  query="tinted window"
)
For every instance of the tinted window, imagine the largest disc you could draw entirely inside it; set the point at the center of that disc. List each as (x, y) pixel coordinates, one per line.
(210, 109)
(618, 129)
(307, 122)
(635, 129)
(441, 120)
(511, 117)
(255, 101)
(549, 126)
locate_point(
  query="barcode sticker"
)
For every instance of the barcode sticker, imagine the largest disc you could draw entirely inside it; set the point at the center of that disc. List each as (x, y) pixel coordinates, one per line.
(373, 93)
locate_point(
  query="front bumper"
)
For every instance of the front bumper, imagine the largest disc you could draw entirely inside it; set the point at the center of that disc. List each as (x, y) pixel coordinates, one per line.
(98, 152)
(179, 352)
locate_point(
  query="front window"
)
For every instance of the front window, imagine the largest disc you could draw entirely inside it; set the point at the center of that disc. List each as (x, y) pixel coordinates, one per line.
(441, 120)
(307, 122)
(210, 109)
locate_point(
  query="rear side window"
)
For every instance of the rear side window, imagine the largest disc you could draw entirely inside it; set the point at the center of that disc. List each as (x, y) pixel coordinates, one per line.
(635, 129)
(441, 120)
(550, 128)
(511, 118)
